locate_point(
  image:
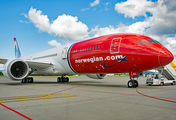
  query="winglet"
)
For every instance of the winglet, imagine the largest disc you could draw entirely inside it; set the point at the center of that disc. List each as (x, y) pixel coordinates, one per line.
(17, 50)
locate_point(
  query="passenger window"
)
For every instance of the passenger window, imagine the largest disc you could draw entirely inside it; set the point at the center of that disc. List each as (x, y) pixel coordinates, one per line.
(93, 47)
(90, 48)
(85, 49)
(99, 46)
(96, 47)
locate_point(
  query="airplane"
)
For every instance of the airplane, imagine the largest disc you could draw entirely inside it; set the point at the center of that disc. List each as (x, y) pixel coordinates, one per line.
(95, 57)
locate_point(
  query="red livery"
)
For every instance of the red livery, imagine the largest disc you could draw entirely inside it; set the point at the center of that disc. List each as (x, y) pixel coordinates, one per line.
(119, 53)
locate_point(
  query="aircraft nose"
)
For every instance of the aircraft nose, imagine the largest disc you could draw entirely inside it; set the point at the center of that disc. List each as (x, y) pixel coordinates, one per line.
(165, 56)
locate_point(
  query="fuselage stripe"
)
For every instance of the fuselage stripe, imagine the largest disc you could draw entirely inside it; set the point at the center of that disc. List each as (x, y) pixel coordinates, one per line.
(68, 58)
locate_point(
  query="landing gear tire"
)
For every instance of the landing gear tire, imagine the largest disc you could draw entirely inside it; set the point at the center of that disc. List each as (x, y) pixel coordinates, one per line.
(161, 84)
(132, 83)
(173, 83)
(62, 79)
(23, 80)
(67, 79)
(135, 83)
(30, 80)
(58, 79)
(27, 80)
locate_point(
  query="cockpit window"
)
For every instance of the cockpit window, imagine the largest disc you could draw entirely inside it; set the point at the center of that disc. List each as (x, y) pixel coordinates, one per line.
(143, 42)
(153, 41)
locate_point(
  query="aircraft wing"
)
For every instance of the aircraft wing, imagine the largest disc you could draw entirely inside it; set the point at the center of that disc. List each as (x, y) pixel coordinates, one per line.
(3, 60)
(32, 64)
(38, 65)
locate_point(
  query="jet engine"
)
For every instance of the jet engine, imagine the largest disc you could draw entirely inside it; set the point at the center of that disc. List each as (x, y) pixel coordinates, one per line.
(96, 76)
(16, 69)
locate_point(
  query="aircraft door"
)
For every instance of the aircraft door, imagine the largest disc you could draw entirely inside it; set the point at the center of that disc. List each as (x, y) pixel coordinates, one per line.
(115, 45)
(64, 53)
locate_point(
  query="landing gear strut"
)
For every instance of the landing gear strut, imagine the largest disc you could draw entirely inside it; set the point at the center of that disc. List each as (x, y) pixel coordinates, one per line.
(62, 79)
(132, 83)
(27, 80)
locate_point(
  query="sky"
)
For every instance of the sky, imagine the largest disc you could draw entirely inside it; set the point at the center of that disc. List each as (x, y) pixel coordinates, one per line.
(39, 25)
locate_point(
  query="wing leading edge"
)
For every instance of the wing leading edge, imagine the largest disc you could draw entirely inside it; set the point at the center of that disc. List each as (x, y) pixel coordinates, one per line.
(32, 64)
(3, 60)
(38, 65)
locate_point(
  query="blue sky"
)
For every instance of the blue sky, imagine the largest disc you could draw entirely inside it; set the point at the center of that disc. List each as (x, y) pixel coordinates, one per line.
(42, 24)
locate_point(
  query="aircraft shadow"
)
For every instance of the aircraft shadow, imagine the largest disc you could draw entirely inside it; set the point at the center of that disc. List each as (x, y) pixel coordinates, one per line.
(84, 83)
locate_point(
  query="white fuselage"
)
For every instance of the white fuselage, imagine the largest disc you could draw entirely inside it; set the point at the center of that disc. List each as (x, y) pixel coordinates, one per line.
(56, 56)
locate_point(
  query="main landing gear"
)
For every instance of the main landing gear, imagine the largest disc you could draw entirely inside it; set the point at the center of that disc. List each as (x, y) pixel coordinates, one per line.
(132, 83)
(27, 80)
(62, 79)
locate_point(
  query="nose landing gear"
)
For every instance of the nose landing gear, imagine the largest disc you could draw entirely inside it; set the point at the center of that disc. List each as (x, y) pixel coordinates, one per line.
(132, 83)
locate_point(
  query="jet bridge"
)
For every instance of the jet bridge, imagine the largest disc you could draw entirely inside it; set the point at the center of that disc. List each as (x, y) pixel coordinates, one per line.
(168, 71)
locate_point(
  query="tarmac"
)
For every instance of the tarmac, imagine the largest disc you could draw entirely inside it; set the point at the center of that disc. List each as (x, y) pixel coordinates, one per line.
(85, 99)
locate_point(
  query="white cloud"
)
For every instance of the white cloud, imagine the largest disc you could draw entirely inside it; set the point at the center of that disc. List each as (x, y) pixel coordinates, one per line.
(25, 15)
(138, 27)
(40, 21)
(106, 9)
(164, 14)
(133, 8)
(65, 26)
(54, 43)
(171, 44)
(57, 44)
(107, 3)
(24, 21)
(84, 9)
(162, 21)
(96, 2)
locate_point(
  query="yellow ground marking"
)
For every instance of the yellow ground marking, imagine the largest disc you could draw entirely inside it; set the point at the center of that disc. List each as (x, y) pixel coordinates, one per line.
(34, 97)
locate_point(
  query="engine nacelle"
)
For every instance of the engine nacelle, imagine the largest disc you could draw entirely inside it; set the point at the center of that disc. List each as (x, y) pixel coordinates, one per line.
(96, 76)
(16, 69)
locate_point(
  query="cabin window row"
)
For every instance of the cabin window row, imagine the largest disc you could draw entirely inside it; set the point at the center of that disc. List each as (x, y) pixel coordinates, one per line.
(88, 48)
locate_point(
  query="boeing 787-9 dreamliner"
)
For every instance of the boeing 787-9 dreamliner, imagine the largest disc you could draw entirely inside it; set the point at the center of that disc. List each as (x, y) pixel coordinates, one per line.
(96, 57)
